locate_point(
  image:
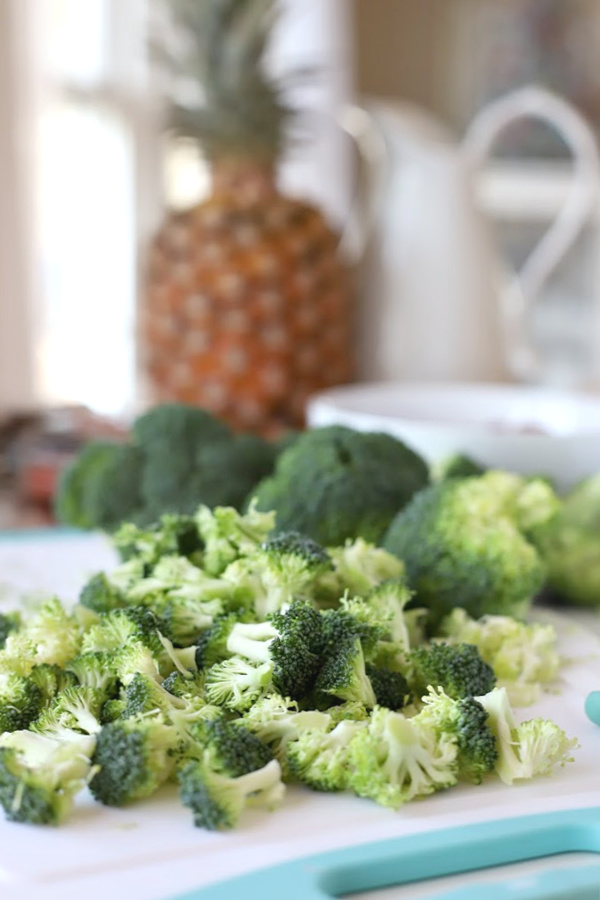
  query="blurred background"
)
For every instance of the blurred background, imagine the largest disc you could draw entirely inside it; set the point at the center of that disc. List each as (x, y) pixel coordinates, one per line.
(96, 192)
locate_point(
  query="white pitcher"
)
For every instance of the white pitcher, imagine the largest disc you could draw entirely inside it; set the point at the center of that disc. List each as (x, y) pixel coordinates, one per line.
(437, 301)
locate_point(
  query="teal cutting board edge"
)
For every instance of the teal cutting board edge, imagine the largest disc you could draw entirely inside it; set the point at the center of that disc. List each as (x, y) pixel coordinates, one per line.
(430, 855)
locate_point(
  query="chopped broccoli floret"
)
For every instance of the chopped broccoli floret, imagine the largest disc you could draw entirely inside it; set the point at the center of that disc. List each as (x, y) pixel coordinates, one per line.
(186, 688)
(320, 758)
(228, 535)
(395, 759)
(217, 801)
(457, 668)
(391, 688)
(355, 617)
(76, 709)
(236, 683)
(462, 542)
(134, 757)
(524, 751)
(359, 567)
(171, 535)
(524, 656)
(9, 622)
(21, 701)
(231, 748)
(276, 720)
(96, 669)
(143, 694)
(39, 776)
(50, 636)
(100, 595)
(334, 483)
(466, 721)
(343, 674)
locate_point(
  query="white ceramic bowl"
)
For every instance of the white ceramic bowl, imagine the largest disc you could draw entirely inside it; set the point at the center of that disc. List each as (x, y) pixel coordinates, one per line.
(522, 429)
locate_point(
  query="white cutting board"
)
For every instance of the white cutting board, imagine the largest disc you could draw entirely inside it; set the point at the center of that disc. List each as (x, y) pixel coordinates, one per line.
(152, 851)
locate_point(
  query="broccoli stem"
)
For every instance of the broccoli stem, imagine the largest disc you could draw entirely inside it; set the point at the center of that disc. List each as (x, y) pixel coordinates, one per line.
(252, 640)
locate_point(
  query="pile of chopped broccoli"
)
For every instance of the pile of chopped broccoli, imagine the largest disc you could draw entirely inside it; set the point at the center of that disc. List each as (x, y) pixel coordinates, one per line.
(463, 543)
(233, 658)
(334, 483)
(178, 457)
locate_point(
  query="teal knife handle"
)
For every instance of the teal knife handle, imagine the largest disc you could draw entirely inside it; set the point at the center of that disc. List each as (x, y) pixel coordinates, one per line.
(420, 857)
(550, 884)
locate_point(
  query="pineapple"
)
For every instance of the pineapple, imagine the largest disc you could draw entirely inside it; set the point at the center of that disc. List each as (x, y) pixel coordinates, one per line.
(247, 303)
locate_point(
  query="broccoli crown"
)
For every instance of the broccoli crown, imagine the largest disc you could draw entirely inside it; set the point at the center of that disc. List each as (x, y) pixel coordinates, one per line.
(320, 758)
(461, 545)
(395, 759)
(466, 721)
(301, 620)
(457, 466)
(343, 673)
(115, 492)
(232, 749)
(100, 595)
(9, 622)
(457, 668)
(217, 801)
(334, 483)
(134, 757)
(21, 701)
(390, 687)
(291, 543)
(71, 502)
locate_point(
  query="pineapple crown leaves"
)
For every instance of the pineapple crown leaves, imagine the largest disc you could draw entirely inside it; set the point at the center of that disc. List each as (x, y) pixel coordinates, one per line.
(220, 49)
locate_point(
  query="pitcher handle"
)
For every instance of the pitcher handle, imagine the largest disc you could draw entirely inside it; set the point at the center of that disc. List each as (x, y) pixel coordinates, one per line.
(369, 188)
(539, 103)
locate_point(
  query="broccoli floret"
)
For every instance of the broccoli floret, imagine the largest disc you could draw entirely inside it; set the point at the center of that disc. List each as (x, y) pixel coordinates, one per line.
(211, 646)
(100, 595)
(114, 493)
(462, 544)
(227, 535)
(229, 471)
(351, 710)
(459, 465)
(119, 627)
(39, 776)
(457, 668)
(50, 636)
(466, 721)
(96, 669)
(285, 643)
(355, 618)
(21, 701)
(229, 747)
(134, 757)
(51, 679)
(236, 683)
(9, 622)
(172, 535)
(334, 483)
(359, 567)
(570, 547)
(391, 688)
(276, 720)
(395, 759)
(186, 688)
(343, 674)
(112, 710)
(76, 709)
(143, 694)
(72, 499)
(217, 801)
(534, 748)
(320, 758)
(524, 656)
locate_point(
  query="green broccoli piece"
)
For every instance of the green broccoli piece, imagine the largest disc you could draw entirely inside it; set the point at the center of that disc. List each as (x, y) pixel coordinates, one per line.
(112, 710)
(119, 627)
(211, 646)
(229, 747)
(71, 502)
(533, 748)
(276, 720)
(334, 483)
(569, 544)
(21, 701)
(75, 709)
(358, 568)
(100, 595)
(96, 669)
(134, 757)
(9, 622)
(457, 668)
(524, 656)
(236, 683)
(51, 679)
(284, 642)
(395, 759)
(343, 673)
(459, 465)
(466, 721)
(172, 535)
(143, 694)
(50, 636)
(462, 543)
(114, 493)
(217, 801)
(350, 710)
(320, 759)
(391, 688)
(186, 688)
(357, 618)
(39, 776)
(228, 535)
